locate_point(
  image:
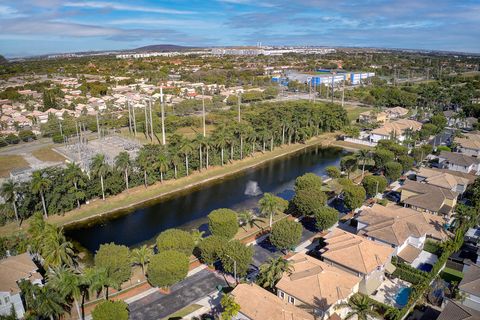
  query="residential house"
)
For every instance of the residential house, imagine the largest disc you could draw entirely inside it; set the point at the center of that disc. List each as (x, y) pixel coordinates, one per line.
(317, 286)
(403, 229)
(397, 130)
(459, 162)
(372, 117)
(442, 179)
(395, 113)
(461, 259)
(358, 256)
(456, 311)
(428, 198)
(470, 145)
(12, 271)
(470, 287)
(257, 303)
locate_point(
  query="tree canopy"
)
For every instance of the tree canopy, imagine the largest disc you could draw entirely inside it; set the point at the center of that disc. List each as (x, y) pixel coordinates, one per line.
(115, 259)
(326, 217)
(167, 268)
(286, 234)
(223, 223)
(177, 240)
(108, 310)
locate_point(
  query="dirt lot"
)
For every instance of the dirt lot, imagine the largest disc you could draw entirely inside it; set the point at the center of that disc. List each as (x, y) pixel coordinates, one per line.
(11, 162)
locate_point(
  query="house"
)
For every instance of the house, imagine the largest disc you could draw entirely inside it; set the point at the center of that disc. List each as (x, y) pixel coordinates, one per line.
(461, 259)
(358, 256)
(316, 285)
(459, 162)
(403, 229)
(428, 198)
(257, 303)
(372, 117)
(456, 311)
(395, 113)
(470, 145)
(397, 130)
(12, 270)
(470, 286)
(442, 179)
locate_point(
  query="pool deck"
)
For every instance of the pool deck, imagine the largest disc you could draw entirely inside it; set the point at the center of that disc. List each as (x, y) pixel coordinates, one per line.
(388, 290)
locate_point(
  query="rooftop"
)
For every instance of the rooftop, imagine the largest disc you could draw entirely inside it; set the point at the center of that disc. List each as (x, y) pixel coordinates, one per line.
(16, 268)
(456, 311)
(459, 158)
(471, 280)
(441, 179)
(428, 197)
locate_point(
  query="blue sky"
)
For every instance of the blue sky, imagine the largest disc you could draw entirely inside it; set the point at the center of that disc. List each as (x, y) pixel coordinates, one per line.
(30, 27)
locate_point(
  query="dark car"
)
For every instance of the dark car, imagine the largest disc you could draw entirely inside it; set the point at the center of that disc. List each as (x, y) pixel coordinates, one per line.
(393, 196)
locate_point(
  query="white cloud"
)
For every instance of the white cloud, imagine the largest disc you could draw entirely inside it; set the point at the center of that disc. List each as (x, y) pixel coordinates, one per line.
(123, 7)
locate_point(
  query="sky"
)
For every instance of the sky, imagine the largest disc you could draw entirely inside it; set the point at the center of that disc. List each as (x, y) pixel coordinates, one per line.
(33, 27)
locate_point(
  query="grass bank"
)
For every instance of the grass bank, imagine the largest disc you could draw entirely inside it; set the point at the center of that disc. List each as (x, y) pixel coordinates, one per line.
(139, 195)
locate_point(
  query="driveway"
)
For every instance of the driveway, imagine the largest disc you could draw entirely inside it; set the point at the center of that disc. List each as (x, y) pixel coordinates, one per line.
(158, 306)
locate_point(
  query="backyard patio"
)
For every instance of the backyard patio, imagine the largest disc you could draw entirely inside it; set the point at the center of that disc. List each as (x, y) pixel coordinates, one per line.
(394, 292)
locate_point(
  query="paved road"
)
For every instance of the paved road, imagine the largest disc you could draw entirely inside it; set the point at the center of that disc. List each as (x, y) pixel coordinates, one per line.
(157, 306)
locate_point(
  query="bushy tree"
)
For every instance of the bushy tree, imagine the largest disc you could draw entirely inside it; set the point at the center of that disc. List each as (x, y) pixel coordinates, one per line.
(440, 121)
(393, 170)
(333, 172)
(167, 268)
(115, 259)
(210, 247)
(230, 307)
(236, 251)
(308, 181)
(325, 218)
(308, 201)
(353, 196)
(382, 157)
(108, 310)
(349, 164)
(406, 162)
(286, 234)
(374, 184)
(223, 223)
(26, 135)
(12, 139)
(177, 240)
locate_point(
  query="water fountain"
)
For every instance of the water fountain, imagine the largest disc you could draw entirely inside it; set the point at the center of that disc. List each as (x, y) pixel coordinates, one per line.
(252, 189)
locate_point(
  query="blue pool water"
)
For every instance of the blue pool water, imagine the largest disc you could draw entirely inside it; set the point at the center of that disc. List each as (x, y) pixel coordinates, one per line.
(427, 267)
(401, 298)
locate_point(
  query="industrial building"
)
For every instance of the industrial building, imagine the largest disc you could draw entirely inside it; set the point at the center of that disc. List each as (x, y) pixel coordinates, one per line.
(327, 77)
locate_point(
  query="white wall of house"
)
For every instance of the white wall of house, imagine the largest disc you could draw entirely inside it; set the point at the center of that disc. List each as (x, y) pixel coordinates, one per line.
(470, 152)
(6, 302)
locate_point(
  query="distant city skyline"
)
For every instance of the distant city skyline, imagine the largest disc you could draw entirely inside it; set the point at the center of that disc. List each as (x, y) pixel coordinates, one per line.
(34, 27)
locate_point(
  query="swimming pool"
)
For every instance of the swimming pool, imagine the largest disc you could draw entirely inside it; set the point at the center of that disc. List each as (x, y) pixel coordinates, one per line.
(401, 298)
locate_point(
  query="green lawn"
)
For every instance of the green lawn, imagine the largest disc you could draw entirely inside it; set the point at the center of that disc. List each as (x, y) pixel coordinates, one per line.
(183, 312)
(450, 275)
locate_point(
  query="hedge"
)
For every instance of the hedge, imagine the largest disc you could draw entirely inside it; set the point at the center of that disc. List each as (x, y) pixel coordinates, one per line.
(450, 275)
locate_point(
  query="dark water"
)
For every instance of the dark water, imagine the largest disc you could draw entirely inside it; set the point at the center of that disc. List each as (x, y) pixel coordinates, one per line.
(188, 210)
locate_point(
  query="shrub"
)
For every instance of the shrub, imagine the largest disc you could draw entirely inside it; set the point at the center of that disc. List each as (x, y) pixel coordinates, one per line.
(286, 234)
(116, 261)
(353, 196)
(108, 310)
(57, 138)
(333, 172)
(26, 135)
(309, 201)
(236, 251)
(12, 139)
(223, 223)
(3, 143)
(374, 184)
(177, 240)
(210, 247)
(325, 218)
(308, 181)
(167, 268)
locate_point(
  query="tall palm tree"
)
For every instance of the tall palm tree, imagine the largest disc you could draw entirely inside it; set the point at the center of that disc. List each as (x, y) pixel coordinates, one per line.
(269, 205)
(55, 249)
(9, 193)
(197, 236)
(67, 282)
(93, 282)
(221, 141)
(272, 271)
(202, 143)
(162, 164)
(43, 302)
(141, 256)
(144, 161)
(246, 217)
(359, 306)
(252, 138)
(99, 169)
(186, 147)
(39, 185)
(123, 163)
(73, 173)
(362, 156)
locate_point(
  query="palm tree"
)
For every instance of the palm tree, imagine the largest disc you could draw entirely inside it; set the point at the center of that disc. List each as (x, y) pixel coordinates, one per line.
(39, 185)
(55, 249)
(246, 217)
(252, 138)
(43, 302)
(272, 271)
(362, 156)
(197, 236)
(141, 256)
(360, 306)
(73, 173)
(186, 148)
(67, 282)
(144, 160)
(123, 163)
(221, 141)
(93, 281)
(162, 164)
(9, 193)
(202, 143)
(99, 168)
(269, 205)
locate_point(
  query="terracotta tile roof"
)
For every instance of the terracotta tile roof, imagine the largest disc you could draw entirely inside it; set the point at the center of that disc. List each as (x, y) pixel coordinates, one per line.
(469, 176)
(397, 127)
(471, 280)
(428, 197)
(394, 224)
(258, 304)
(15, 268)
(457, 311)
(398, 110)
(471, 141)
(409, 253)
(441, 179)
(355, 252)
(317, 283)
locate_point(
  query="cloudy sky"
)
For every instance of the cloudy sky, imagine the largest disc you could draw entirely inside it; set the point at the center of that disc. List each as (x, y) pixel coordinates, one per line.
(30, 27)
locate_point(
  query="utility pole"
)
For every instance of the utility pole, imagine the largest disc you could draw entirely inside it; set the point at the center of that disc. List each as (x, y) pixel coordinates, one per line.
(314, 91)
(134, 121)
(98, 127)
(146, 119)
(203, 112)
(343, 93)
(129, 118)
(239, 100)
(151, 118)
(162, 107)
(333, 92)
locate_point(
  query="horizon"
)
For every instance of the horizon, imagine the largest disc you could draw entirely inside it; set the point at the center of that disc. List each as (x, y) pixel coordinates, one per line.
(41, 27)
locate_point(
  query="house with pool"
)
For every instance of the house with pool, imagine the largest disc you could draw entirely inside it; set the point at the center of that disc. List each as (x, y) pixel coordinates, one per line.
(403, 229)
(359, 256)
(317, 286)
